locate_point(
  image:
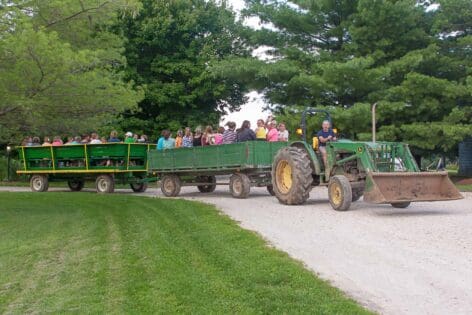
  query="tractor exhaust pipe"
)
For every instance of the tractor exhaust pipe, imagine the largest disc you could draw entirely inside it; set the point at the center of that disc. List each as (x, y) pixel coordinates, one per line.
(373, 121)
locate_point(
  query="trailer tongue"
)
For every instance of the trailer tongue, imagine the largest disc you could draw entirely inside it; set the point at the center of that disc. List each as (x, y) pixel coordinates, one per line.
(402, 187)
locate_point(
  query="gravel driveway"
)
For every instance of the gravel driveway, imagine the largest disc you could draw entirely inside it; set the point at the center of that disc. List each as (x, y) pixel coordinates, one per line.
(395, 261)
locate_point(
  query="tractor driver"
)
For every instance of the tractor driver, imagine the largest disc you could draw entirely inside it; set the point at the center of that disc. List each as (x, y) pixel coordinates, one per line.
(325, 135)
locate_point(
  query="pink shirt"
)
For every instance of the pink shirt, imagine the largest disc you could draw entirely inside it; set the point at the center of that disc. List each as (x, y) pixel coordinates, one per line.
(273, 135)
(218, 138)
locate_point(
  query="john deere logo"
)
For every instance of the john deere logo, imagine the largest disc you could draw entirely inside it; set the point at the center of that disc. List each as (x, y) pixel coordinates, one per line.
(359, 149)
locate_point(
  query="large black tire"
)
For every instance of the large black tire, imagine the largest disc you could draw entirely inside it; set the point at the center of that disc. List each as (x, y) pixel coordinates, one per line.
(39, 183)
(357, 194)
(206, 188)
(171, 185)
(239, 185)
(76, 184)
(270, 189)
(340, 193)
(292, 176)
(138, 187)
(401, 205)
(105, 184)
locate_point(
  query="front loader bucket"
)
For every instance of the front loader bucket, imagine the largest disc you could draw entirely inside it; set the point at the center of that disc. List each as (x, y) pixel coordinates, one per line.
(408, 187)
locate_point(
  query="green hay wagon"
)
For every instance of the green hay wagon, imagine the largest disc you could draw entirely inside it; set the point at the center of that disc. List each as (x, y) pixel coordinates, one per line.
(106, 164)
(248, 163)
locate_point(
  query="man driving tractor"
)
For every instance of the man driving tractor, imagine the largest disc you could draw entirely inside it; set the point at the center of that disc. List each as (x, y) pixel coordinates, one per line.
(325, 135)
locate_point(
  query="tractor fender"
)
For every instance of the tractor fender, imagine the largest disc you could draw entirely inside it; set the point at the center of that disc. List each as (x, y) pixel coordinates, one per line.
(314, 162)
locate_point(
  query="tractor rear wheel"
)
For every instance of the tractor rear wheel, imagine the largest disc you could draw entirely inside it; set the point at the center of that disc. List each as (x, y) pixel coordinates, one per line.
(39, 183)
(75, 184)
(239, 185)
(292, 176)
(401, 205)
(171, 185)
(206, 188)
(105, 184)
(340, 193)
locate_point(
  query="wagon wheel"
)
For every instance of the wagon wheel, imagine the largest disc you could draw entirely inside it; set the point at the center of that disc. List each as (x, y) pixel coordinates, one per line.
(105, 184)
(39, 183)
(400, 205)
(292, 176)
(239, 186)
(171, 185)
(340, 193)
(357, 194)
(139, 187)
(75, 184)
(206, 188)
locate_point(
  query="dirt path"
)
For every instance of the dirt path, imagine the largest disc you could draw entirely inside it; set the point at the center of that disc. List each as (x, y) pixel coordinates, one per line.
(395, 261)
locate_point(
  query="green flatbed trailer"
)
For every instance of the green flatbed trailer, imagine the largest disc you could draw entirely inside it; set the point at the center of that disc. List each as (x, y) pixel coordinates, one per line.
(106, 164)
(248, 163)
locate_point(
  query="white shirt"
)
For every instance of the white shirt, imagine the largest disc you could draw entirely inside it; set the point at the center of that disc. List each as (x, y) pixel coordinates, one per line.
(95, 141)
(283, 135)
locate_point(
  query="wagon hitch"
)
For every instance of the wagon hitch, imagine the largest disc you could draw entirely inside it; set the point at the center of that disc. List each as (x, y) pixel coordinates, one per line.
(383, 187)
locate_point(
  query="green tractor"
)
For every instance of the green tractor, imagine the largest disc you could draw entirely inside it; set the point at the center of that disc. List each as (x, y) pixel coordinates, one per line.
(382, 172)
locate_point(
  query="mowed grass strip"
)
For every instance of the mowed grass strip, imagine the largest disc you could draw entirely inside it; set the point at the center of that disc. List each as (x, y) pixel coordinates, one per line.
(88, 253)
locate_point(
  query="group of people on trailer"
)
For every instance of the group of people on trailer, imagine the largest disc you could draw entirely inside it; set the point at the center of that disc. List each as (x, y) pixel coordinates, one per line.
(267, 130)
(92, 138)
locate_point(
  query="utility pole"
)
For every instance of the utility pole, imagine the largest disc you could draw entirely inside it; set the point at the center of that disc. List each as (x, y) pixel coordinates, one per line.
(8, 162)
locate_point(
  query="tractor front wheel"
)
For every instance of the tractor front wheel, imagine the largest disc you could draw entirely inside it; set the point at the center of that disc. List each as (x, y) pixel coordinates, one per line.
(292, 176)
(239, 185)
(206, 188)
(171, 185)
(39, 183)
(340, 193)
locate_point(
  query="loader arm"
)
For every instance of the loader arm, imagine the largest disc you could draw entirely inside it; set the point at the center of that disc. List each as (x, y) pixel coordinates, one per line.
(389, 173)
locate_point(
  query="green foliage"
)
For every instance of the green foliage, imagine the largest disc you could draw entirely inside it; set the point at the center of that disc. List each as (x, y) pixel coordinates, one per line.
(171, 48)
(14, 165)
(414, 62)
(64, 252)
(60, 67)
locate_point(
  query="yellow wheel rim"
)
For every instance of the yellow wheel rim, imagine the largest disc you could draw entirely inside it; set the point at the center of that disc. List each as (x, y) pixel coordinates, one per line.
(336, 194)
(284, 176)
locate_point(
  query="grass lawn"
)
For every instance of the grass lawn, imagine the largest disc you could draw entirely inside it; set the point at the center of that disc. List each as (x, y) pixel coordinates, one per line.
(464, 187)
(89, 253)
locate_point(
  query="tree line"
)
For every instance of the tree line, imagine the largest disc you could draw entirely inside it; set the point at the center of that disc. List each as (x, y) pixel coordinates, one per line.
(71, 66)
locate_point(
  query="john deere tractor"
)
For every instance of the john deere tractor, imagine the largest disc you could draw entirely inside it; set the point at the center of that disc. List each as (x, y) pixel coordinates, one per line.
(382, 172)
